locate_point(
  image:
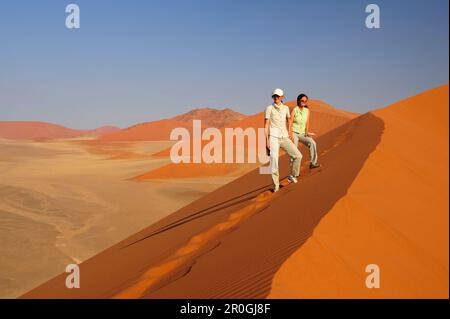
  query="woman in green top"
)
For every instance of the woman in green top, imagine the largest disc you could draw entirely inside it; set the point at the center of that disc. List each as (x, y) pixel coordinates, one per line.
(298, 128)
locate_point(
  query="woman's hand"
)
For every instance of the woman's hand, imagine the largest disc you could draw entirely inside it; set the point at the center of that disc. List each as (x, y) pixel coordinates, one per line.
(291, 137)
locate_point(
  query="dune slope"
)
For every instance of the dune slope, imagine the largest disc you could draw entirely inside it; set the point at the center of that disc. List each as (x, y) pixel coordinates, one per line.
(242, 227)
(375, 200)
(394, 215)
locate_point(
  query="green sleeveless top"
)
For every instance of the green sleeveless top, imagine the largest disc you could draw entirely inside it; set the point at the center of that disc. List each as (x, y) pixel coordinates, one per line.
(300, 119)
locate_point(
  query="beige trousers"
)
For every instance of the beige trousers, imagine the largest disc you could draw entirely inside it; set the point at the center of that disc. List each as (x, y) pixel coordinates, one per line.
(310, 143)
(296, 157)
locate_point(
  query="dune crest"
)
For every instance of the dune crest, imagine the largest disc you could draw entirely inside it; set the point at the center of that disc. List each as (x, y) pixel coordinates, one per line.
(395, 215)
(211, 117)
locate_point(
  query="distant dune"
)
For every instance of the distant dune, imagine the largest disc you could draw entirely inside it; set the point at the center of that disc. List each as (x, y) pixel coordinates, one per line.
(33, 130)
(107, 129)
(211, 117)
(381, 198)
(152, 131)
(160, 130)
(43, 130)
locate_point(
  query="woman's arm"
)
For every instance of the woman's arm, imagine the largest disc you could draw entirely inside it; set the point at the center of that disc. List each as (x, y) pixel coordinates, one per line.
(290, 122)
(307, 123)
(266, 131)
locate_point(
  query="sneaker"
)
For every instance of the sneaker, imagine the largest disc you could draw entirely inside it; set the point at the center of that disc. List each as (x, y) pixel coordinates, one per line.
(276, 188)
(313, 166)
(292, 179)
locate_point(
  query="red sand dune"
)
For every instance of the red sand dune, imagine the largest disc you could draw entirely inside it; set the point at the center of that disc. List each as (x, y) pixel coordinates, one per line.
(43, 130)
(35, 130)
(395, 214)
(210, 117)
(107, 129)
(160, 130)
(376, 199)
(152, 131)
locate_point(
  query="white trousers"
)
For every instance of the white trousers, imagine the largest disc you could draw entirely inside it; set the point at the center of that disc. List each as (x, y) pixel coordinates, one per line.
(296, 157)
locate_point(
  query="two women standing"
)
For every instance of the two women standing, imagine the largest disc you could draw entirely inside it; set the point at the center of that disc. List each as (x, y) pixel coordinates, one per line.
(284, 129)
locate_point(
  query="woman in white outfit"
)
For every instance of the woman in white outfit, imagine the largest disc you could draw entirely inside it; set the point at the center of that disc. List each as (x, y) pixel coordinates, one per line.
(277, 136)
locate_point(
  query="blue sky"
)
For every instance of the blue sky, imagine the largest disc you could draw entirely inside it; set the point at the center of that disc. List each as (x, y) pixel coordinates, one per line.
(134, 61)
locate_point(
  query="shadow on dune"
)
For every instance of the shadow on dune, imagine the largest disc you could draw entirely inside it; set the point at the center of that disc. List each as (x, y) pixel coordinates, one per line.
(242, 262)
(209, 210)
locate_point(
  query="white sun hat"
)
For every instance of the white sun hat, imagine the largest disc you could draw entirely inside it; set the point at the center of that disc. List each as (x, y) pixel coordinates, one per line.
(278, 92)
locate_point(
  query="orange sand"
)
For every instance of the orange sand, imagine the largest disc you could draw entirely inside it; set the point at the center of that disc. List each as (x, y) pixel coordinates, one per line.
(210, 117)
(376, 200)
(152, 131)
(191, 170)
(395, 215)
(248, 259)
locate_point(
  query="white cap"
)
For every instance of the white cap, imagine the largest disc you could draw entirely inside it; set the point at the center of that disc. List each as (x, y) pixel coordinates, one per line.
(278, 92)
